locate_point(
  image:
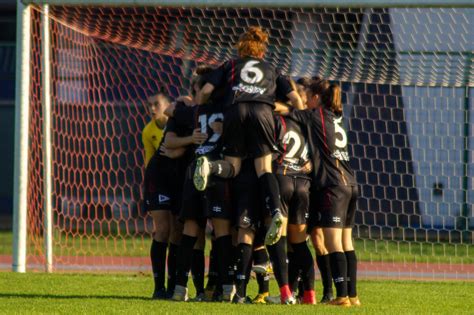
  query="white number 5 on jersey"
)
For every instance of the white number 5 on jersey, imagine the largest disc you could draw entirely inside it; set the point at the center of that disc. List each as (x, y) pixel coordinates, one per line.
(341, 141)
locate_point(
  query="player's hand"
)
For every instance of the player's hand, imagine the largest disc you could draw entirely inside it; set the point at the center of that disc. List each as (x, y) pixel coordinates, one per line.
(198, 137)
(217, 127)
(186, 99)
(307, 167)
(169, 110)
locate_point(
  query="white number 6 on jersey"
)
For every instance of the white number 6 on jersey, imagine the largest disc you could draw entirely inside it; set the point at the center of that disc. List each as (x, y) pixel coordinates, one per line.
(257, 74)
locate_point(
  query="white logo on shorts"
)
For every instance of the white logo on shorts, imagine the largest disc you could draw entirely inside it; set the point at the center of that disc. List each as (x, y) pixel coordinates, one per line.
(336, 219)
(217, 209)
(246, 220)
(163, 198)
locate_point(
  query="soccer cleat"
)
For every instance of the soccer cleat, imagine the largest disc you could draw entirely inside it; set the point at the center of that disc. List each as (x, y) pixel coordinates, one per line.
(180, 294)
(262, 268)
(260, 298)
(201, 173)
(341, 301)
(160, 295)
(275, 230)
(288, 301)
(355, 301)
(326, 298)
(228, 292)
(241, 300)
(273, 299)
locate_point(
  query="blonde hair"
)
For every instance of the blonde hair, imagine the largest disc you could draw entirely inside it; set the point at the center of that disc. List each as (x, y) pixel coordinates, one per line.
(253, 43)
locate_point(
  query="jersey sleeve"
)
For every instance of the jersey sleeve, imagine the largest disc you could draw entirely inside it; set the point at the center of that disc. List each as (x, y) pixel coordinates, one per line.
(302, 117)
(217, 76)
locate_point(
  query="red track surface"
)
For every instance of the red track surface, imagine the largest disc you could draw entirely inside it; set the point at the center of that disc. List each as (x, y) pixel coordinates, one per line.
(366, 270)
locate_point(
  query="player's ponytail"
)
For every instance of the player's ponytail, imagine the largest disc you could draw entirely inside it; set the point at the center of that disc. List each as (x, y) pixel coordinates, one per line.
(330, 95)
(253, 43)
(334, 99)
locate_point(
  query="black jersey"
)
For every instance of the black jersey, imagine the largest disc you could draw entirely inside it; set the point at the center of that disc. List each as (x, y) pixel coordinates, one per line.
(328, 143)
(181, 130)
(249, 80)
(293, 146)
(203, 116)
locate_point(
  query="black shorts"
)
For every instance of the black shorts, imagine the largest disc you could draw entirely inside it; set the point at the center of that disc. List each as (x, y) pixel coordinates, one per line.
(249, 130)
(214, 202)
(246, 198)
(294, 194)
(164, 184)
(333, 207)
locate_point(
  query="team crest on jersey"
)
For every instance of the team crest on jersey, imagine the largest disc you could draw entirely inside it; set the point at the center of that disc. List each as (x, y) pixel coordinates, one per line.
(163, 198)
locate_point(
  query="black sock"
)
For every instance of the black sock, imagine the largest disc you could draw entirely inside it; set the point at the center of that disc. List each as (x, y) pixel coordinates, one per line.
(263, 280)
(158, 262)
(260, 257)
(339, 272)
(173, 250)
(293, 272)
(324, 267)
(213, 273)
(222, 168)
(305, 263)
(244, 258)
(279, 261)
(197, 270)
(184, 259)
(351, 273)
(224, 248)
(271, 192)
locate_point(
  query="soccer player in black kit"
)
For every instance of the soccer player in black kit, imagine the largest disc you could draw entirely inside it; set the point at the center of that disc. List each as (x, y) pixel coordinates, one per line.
(213, 203)
(251, 84)
(336, 186)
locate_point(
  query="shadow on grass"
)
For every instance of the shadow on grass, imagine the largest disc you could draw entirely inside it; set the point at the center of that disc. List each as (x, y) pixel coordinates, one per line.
(57, 296)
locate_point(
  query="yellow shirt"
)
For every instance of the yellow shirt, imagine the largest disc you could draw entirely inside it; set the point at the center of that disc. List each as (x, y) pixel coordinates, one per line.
(151, 138)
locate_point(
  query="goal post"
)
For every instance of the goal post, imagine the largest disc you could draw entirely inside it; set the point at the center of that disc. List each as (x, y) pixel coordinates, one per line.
(87, 68)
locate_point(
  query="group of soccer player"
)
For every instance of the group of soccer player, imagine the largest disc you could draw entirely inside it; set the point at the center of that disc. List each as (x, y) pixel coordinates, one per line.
(261, 161)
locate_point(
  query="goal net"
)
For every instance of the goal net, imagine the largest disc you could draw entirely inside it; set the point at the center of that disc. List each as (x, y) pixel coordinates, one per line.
(406, 73)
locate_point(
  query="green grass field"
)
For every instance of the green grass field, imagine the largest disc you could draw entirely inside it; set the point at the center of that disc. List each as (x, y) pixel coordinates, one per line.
(367, 250)
(129, 294)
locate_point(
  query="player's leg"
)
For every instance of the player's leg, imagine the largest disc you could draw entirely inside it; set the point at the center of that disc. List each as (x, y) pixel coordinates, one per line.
(317, 238)
(176, 232)
(349, 250)
(158, 249)
(224, 251)
(278, 250)
(297, 215)
(261, 259)
(198, 266)
(322, 261)
(158, 204)
(184, 259)
(335, 205)
(244, 259)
